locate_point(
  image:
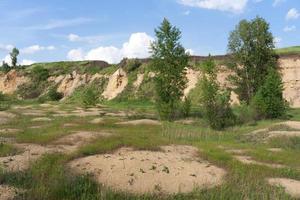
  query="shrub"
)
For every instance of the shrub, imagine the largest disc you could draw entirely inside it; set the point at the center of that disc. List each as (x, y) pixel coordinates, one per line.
(268, 101)
(186, 107)
(244, 113)
(53, 95)
(31, 90)
(89, 97)
(215, 102)
(132, 65)
(39, 74)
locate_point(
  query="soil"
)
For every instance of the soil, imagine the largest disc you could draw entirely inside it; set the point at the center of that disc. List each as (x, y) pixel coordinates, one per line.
(140, 122)
(292, 187)
(7, 192)
(172, 170)
(248, 160)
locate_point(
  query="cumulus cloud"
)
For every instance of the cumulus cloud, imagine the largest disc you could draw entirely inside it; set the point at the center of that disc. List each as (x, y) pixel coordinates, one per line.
(190, 51)
(235, 6)
(292, 14)
(137, 47)
(73, 37)
(289, 28)
(36, 48)
(7, 60)
(27, 62)
(277, 41)
(75, 55)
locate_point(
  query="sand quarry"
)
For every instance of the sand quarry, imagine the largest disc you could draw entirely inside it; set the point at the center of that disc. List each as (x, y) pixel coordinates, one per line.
(173, 169)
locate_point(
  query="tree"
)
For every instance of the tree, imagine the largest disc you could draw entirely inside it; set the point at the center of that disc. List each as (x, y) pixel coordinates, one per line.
(169, 62)
(14, 57)
(5, 67)
(252, 46)
(269, 101)
(215, 102)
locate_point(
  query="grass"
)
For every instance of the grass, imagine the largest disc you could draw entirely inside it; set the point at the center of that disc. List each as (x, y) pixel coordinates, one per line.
(289, 50)
(50, 178)
(8, 150)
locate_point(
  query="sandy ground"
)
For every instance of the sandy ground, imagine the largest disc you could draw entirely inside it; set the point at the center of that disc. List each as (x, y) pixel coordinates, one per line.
(175, 169)
(5, 117)
(140, 122)
(139, 81)
(273, 134)
(292, 187)
(32, 152)
(97, 121)
(41, 119)
(249, 160)
(7, 193)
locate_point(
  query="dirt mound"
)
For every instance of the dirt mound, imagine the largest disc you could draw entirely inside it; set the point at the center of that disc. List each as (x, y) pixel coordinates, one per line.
(140, 122)
(116, 84)
(292, 187)
(175, 169)
(7, 192)
(273, 134)
(139, 80)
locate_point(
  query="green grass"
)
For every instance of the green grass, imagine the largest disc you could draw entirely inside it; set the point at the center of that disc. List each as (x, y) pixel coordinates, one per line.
(289, 50)
(50, 178)
(8, 150)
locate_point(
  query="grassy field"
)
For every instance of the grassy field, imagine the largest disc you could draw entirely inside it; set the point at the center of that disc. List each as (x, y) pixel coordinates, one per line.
(289, 50)
(49, 177)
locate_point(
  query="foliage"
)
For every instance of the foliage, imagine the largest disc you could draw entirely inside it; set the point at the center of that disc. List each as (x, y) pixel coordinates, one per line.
(131, 65)
(14, 56)
(89, 97)
(4, 102)
(169, 62)
(245, 114)
(53, 95)
(269, 101)
(252, 47)
(5, 67)
(214, 101)
(31, 90)
(186, 107)
(39, 74)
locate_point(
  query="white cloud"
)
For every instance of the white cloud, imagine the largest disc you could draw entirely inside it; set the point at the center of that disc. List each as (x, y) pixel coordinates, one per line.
(289, 28)
(190, 51)
(7, 60)
(27, 62)
(75, 55)
(186, 13)
(61, 23)
(7, 47)
(36, 48)
(292, 14)
(109, 54)
(235, 6)
(277, 2)
(89, 39)
(137, 47)
(277, 41)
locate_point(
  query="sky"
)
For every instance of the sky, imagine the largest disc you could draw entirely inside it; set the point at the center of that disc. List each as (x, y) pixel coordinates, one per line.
(57, 30)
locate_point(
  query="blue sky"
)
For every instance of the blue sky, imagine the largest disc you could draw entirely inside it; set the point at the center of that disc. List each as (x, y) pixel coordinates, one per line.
(55, 30)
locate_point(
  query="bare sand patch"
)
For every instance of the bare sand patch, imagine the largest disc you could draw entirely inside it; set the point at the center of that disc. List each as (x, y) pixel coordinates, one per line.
(6, 117)
(70, 125)
(292, 187)
(7, 192)
(97, 121)
(236, 151)
(273, 134)
(140, 122)
(22, 161)
(73, 141)
(33, 113)
(9, 130)
(174, 169)
(79, 113)
(186, 121)
(248, 160)
(41, 119)
(292, 124)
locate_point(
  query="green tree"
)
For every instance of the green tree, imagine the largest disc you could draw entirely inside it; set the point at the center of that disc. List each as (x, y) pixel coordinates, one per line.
(14, 56)
(169, 62)
(214, 101)
(252, 46)
(5, 67)
(268, 101)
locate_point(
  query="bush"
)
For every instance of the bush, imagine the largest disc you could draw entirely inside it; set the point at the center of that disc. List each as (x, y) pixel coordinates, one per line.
(186, 107)
(31, 90)
(244, 114)
(53, 95)
(132, 65)
(215, 102)
(39, 74)
(268, 101)
(89, 97)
